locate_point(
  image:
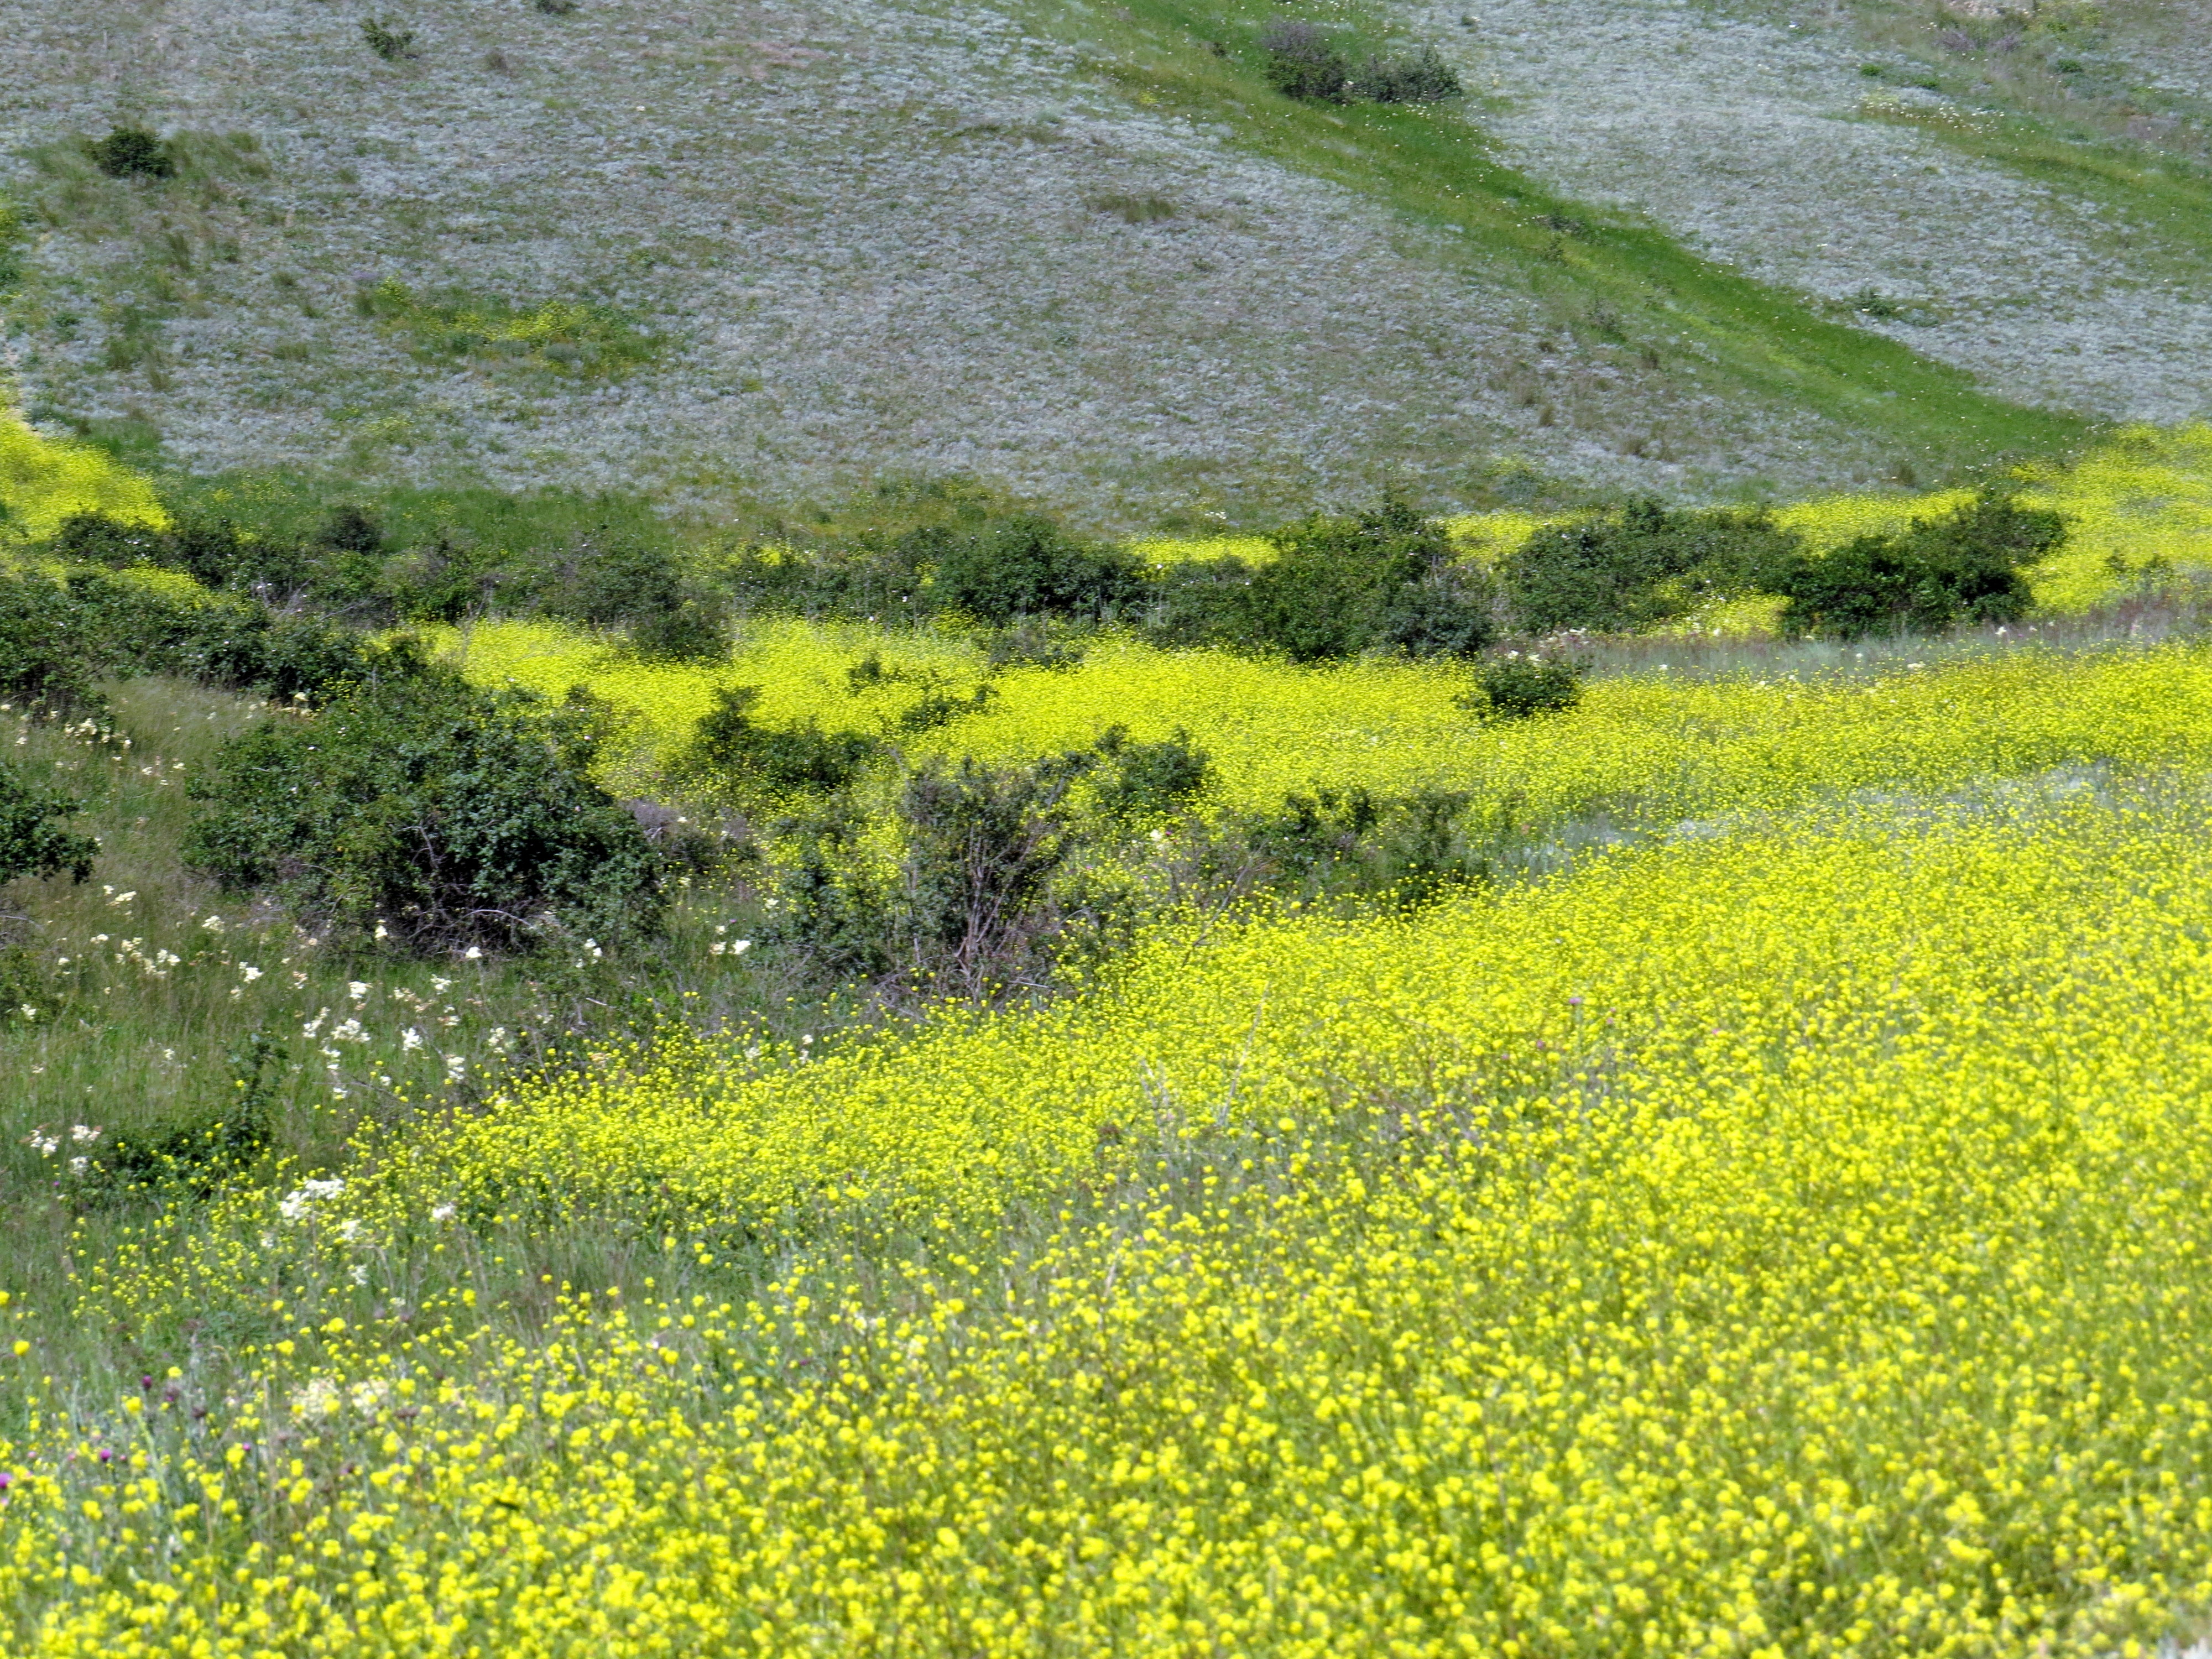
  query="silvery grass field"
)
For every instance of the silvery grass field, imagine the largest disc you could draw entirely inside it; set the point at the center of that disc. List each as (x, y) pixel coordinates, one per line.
(1196, 828)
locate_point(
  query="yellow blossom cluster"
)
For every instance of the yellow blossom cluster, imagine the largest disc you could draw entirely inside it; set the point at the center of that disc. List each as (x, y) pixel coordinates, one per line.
(1648, 745)
(1782, 1238)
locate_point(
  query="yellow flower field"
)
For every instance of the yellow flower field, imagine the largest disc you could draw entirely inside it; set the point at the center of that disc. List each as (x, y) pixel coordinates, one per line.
(1784, 1242)
(1778, 1230)
(1642, 747)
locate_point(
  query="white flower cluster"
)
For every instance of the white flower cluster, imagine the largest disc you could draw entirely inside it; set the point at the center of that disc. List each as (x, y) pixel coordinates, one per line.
(298, 1204)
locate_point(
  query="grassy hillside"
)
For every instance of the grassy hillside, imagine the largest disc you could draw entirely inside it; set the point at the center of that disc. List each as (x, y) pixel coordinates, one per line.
(1079, 255)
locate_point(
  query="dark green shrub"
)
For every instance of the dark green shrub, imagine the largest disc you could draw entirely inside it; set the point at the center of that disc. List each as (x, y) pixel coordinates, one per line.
(1517, 687)
(982, 900)
(31, 842)
(1450, 613)
(941, 707)
(1032, 644)
(982, 847)
(1416, 77)
(1640, 567)
(1030, 566)
(1385, 579)
(94, 538)
(207, 550)
(1304, 64)
(1349, 844)
(445, 815)
(195, 1158)
(1199, 602)
(607, 579)
(391, 45)
(44, 656)
(133, 153)
(695, 629)
(352, 529)
(1150, 780)
(875, 579)
(832, 916)
(1967, 567)
(731, 753)
(557, 8)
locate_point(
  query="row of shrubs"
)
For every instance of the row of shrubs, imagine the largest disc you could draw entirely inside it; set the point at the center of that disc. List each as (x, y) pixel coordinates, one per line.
(349, 569)
(1383, 579)
(1389, 579)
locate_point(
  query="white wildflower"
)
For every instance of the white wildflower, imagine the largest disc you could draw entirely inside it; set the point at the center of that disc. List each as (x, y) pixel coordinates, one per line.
(79, 1165)
(441, 1213)
(409, 1041)
(473, 953)
(301, 1200)
(83, 1133)
(456, 1067)
(319, 1398)
(213, 924)
(361, 1274)
(357, 990)
(313, 1027)
(248, 972)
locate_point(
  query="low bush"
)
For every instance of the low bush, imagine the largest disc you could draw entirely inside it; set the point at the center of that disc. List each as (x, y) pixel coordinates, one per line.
(1519, 686)
(729, 755)
(979, 900)
(1144, 781)
(95, 538)
(1415, 77)
(1032, 644)
(392, 44)
(1030, 568)
(32, 841)
(194, 1157)
(1968, 566)
(46, 658)
(1643, 565)
(1408, 850)
(1304, 62)
(982, 847)
(422, 809)
(1380, 580)
(133, 153)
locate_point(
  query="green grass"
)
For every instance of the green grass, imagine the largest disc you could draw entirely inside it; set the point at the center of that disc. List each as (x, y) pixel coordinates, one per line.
(560, 337)
(145, 1008)
(292, 506)
(1606, 276)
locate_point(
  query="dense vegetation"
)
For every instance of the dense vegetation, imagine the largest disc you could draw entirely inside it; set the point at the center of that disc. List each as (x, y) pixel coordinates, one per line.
(1018, 1095)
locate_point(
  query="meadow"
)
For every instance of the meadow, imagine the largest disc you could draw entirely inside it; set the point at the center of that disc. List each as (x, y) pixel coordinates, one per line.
(1775, 1241)
(1764, 1220)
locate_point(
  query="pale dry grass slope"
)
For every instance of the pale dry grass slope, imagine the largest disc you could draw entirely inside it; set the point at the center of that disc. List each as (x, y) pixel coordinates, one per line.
(878, 238)
(873, 239)
(1753, 133)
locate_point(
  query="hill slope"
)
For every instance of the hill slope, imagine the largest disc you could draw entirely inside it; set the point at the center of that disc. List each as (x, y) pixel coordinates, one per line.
(1083, 254)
